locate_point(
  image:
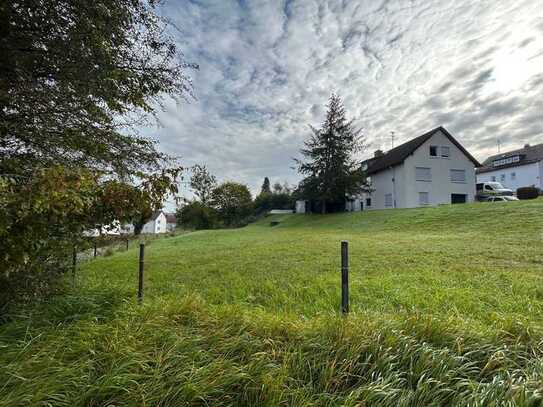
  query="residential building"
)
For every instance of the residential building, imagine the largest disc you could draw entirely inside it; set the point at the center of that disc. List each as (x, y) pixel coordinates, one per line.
(431, 169)
(157, 224)
(171, 221)
(514, 169)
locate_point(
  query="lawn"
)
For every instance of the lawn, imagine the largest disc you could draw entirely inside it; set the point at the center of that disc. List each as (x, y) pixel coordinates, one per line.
(446, 309)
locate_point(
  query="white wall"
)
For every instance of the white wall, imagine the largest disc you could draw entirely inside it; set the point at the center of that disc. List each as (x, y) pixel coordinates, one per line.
(525, 176)
(440, 188)
(385, 182)
(406, 188)
(156, 226)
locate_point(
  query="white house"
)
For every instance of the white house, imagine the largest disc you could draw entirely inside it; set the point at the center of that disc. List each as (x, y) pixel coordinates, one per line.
(160, 222)
(157, 224)
(113, 229)
(431, 169)
(515, 169)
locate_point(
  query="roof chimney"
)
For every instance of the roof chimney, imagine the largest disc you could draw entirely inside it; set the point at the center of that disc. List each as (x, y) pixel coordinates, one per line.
(378, 153)
(527, 145)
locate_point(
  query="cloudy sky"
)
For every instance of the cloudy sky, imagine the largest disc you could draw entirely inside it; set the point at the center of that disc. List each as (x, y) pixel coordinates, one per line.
(267, 68)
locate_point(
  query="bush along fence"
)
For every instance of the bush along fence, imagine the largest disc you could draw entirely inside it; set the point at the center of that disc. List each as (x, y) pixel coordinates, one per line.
(344, 279)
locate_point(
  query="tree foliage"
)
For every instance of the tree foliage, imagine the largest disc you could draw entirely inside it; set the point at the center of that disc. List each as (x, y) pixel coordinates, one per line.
(196, 215)
(233, 202)
(202, 183)
(265, 186)
(280, 198)
(75, 74)
(329, 165)
(77, 79)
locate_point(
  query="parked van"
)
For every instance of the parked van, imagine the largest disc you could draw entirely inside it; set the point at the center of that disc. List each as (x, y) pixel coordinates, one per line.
(486, 189)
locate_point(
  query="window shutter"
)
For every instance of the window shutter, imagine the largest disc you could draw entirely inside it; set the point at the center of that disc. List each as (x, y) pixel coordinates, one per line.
(424, 198)
(458, 175)
(423, 174)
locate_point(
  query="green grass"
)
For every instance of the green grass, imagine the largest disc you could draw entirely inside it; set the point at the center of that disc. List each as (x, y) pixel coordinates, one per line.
(447, 309)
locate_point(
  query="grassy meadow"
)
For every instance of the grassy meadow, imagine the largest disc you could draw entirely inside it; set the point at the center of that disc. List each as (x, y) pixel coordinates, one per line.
(446, 309)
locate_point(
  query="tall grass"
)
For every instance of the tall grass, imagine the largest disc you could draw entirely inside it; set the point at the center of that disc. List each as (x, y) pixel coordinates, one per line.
(446, 311)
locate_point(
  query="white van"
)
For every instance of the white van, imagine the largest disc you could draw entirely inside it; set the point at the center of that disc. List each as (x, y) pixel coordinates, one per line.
(484, 189)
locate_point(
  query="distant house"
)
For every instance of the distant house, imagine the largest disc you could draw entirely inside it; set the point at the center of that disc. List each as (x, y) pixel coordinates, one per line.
(171, 221)
(157, 224)
(160, 222)
(113, 229)
(431, 169)
(514, 169)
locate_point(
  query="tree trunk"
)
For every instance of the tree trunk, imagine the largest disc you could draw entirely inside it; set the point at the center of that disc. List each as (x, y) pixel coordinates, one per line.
(323, 209)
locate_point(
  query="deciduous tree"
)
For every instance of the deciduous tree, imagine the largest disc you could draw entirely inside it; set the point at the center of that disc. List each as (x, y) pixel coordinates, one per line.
(202, 183)
(232, 202)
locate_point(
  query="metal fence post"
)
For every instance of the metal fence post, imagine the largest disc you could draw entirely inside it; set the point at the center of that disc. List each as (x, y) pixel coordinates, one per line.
(344, 277)
(140, 279)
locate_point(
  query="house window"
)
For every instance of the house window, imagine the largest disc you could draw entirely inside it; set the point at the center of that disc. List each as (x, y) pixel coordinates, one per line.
(433, 151)
(513, 176)
(423, 174)
(505, 161)
(445, 152)
(388, 200)
(502, 178)
(493, 178)
(368, 201)
(424, 198)
(458, 175)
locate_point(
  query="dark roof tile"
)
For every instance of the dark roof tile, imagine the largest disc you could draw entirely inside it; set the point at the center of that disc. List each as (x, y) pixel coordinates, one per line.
(528, 155)
(398, 154)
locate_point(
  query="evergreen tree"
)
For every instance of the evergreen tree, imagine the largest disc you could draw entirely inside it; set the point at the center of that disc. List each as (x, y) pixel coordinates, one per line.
(266, 186)
(330, 169)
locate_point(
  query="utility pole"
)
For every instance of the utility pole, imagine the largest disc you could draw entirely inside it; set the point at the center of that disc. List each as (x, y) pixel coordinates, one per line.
(499, 146)
(392, 139)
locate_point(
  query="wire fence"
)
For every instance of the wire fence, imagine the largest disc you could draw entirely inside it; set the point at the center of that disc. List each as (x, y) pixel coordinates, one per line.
(95, 248)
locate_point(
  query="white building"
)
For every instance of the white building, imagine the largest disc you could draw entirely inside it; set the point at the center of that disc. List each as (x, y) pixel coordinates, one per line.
(171, 221)
(114, 229)
(515, 169)
(431, 169)
(157, 224)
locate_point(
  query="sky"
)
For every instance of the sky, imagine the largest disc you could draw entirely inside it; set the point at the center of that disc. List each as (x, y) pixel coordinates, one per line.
(267, 69)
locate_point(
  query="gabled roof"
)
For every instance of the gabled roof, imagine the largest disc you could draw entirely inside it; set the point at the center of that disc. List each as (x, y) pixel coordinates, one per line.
(156, 214)
(170, 217)
(528, 154)
(398, 154)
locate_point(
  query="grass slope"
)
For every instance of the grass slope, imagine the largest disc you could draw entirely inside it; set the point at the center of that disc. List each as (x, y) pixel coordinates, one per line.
(447, 309)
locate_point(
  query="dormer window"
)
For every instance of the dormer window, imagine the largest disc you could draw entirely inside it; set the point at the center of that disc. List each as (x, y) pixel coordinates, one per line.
(505, 161)
(433, 151)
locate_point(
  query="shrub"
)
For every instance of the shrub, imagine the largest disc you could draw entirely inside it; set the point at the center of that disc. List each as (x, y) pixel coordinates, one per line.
(528, 193)
(233, 203)
(268, 201)
(196, 215)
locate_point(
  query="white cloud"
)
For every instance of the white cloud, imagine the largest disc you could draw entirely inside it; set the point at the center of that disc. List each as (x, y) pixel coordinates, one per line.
(268, 67)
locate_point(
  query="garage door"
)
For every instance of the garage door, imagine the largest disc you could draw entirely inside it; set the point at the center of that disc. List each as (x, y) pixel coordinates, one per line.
(459, 198)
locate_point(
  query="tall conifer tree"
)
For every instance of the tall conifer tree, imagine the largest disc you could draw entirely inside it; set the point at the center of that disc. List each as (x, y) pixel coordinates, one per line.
(329, 165)
(266, 186)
